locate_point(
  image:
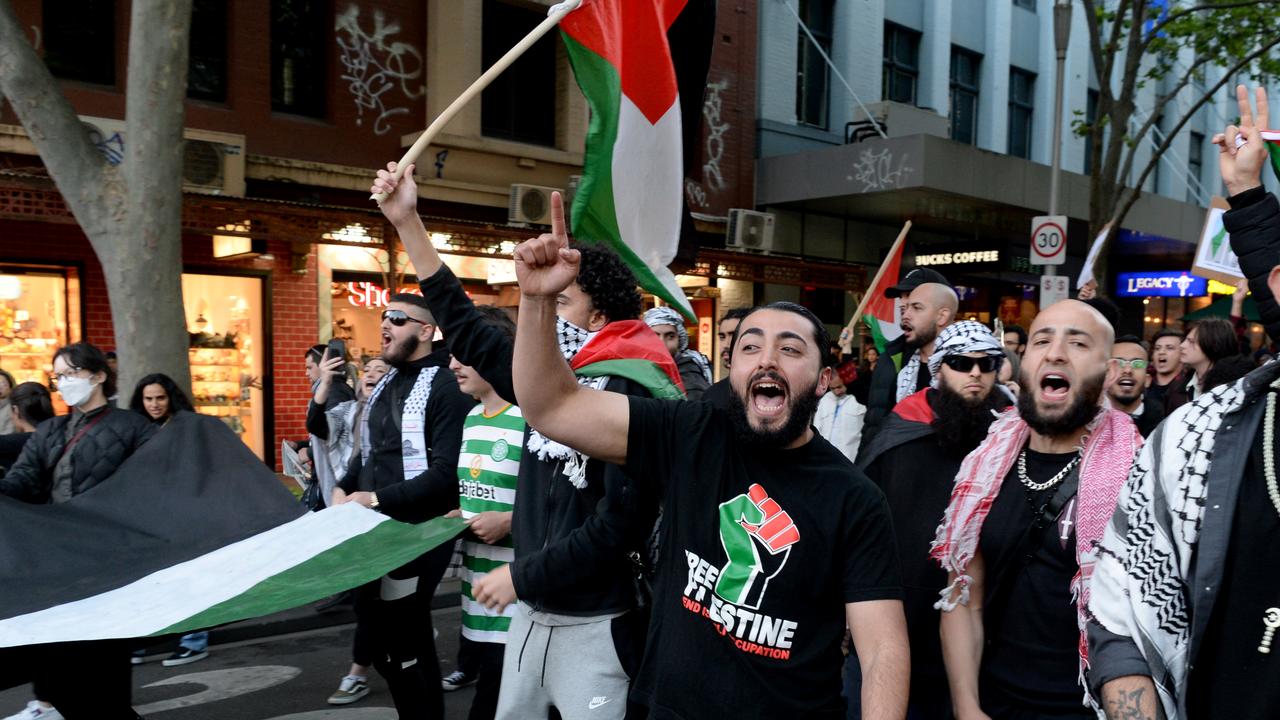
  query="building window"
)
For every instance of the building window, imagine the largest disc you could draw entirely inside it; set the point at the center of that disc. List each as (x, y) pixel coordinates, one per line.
(901, 63)
(1090, 118)
(207, 64)
(299, 35)
(80, 44)
(1155, 138)
(1022, 86)
(813, 78)
(1025, 4)
(520, 105)
(964, 96)
(1195, 166)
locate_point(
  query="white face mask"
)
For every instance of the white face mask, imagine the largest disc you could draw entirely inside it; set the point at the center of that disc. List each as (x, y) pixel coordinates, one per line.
(75, 391)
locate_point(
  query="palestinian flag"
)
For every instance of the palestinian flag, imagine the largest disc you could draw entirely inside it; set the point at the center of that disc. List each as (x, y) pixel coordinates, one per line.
(1273, 149)
(190, 532)
(881, 313)
(630, 349)
(632, 192)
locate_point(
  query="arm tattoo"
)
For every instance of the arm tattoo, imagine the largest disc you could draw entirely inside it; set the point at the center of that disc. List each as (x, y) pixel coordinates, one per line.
(1127, 705)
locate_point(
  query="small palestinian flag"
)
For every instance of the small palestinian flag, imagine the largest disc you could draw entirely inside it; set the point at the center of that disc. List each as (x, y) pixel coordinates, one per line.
(190, 532)
(632, 192)
(881, 314)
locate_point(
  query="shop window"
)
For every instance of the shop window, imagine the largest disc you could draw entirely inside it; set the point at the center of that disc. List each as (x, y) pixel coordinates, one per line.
(901, 64)
(39, 313)
(964, 95)
(225, 324)
(207, 63)
(299, 35)
(1022, 86)
(80, 43)
(520, 104)
(813, 77)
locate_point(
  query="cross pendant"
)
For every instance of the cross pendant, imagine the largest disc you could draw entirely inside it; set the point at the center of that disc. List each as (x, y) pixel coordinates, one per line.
(1271, 619)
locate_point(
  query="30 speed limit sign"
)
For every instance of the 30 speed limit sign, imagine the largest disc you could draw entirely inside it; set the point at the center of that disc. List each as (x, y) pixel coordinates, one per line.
(1049, 240)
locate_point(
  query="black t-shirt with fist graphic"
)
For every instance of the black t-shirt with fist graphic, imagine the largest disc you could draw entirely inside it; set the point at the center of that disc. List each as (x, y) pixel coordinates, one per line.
(760, 550)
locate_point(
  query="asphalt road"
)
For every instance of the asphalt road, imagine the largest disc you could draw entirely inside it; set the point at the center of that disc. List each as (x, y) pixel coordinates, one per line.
(285, 677)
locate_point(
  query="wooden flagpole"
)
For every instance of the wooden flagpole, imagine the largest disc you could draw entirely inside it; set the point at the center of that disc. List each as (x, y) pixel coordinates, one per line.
(553, 19)
(847, 334)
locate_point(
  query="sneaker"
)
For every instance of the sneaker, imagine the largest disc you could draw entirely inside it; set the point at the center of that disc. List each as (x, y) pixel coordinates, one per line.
(457, 680)
(182, 656)
(34, 711)
(351, 689)
(138, 657)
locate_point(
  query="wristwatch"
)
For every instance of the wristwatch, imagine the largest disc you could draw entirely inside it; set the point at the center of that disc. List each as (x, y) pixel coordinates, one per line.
(373, 501)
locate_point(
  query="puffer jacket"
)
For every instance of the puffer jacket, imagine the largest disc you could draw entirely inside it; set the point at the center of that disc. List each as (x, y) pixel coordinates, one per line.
(96, 455)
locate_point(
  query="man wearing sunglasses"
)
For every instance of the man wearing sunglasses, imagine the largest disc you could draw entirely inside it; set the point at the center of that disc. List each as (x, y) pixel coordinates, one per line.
(914, 460)
(406, 466)
(1128, 391)
(580, 527)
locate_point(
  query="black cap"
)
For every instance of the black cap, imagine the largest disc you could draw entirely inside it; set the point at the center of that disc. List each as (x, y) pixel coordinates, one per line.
(915, 279)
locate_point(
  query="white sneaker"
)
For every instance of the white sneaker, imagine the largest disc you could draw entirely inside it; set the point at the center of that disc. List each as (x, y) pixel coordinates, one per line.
(36, 711)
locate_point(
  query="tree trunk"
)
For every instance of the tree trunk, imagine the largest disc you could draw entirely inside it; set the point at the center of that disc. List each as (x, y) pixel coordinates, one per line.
(132, 214)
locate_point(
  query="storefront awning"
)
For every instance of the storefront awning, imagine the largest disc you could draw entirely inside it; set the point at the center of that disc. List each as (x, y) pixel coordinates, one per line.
(1222, 308)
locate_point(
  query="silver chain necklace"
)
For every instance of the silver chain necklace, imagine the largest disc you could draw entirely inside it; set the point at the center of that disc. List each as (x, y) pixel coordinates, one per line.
(1037, 487)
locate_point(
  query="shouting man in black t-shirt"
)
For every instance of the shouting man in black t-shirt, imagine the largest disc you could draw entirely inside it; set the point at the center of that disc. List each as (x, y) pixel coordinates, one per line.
(1186, 600)
(771, 541)
(914, 460)
(1018, 536)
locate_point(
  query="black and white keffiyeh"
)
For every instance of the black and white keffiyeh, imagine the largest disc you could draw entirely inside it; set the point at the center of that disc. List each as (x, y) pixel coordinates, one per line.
(1140, 583)
(907, 377)
(966, 336)
(667, 316)
(412, 422)
(571, 339)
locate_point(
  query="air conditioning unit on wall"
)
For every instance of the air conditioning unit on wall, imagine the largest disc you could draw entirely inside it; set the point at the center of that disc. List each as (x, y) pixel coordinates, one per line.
(530, 204)
(750, 230)
(212, 162)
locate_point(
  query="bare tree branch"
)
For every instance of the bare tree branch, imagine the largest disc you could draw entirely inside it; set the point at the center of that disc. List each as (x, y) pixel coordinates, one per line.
(73, 162)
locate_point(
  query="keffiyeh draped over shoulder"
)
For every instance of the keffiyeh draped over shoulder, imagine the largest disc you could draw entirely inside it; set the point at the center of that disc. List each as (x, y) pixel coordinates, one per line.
(1110, 444)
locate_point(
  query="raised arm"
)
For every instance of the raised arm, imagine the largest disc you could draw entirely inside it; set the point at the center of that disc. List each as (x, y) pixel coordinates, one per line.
(593, 422)
(401, 209)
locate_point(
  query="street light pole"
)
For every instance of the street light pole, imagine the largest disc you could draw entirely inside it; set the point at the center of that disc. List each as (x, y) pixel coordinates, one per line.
(1061, 39)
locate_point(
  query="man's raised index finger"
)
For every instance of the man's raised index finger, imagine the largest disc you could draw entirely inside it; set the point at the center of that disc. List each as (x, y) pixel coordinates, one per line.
(1264, 112)
(557, 216)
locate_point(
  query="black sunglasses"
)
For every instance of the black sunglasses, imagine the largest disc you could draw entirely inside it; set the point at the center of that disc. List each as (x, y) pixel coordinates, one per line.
(964, 363)
(400, 317)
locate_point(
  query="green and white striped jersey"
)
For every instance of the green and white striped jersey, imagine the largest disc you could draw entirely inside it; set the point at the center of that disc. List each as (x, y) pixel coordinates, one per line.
(488, 463)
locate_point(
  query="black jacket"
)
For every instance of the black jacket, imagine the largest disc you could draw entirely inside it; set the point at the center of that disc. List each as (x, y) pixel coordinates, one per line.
(883, 393)
(435, 491)
(11, 447)
(110, 439)
(571, 546)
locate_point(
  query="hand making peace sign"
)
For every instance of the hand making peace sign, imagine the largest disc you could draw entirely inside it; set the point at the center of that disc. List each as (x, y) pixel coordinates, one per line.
(1241, 160)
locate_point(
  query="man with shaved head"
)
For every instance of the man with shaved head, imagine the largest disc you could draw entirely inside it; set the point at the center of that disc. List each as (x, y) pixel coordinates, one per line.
(1017, 539)
(927, 304)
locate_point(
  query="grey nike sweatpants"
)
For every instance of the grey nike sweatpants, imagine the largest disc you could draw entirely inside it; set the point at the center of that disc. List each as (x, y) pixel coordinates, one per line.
(562, 661)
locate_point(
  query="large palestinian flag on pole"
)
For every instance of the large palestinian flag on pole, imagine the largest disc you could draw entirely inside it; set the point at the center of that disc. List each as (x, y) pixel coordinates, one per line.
(632, 192)
(191, 531)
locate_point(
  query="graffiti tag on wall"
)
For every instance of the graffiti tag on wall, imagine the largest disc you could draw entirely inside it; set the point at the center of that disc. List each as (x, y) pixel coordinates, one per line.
(374, 64)
(876, 170)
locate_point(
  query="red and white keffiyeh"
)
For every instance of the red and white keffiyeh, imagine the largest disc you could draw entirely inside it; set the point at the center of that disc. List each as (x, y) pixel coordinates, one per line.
(1110, 444)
